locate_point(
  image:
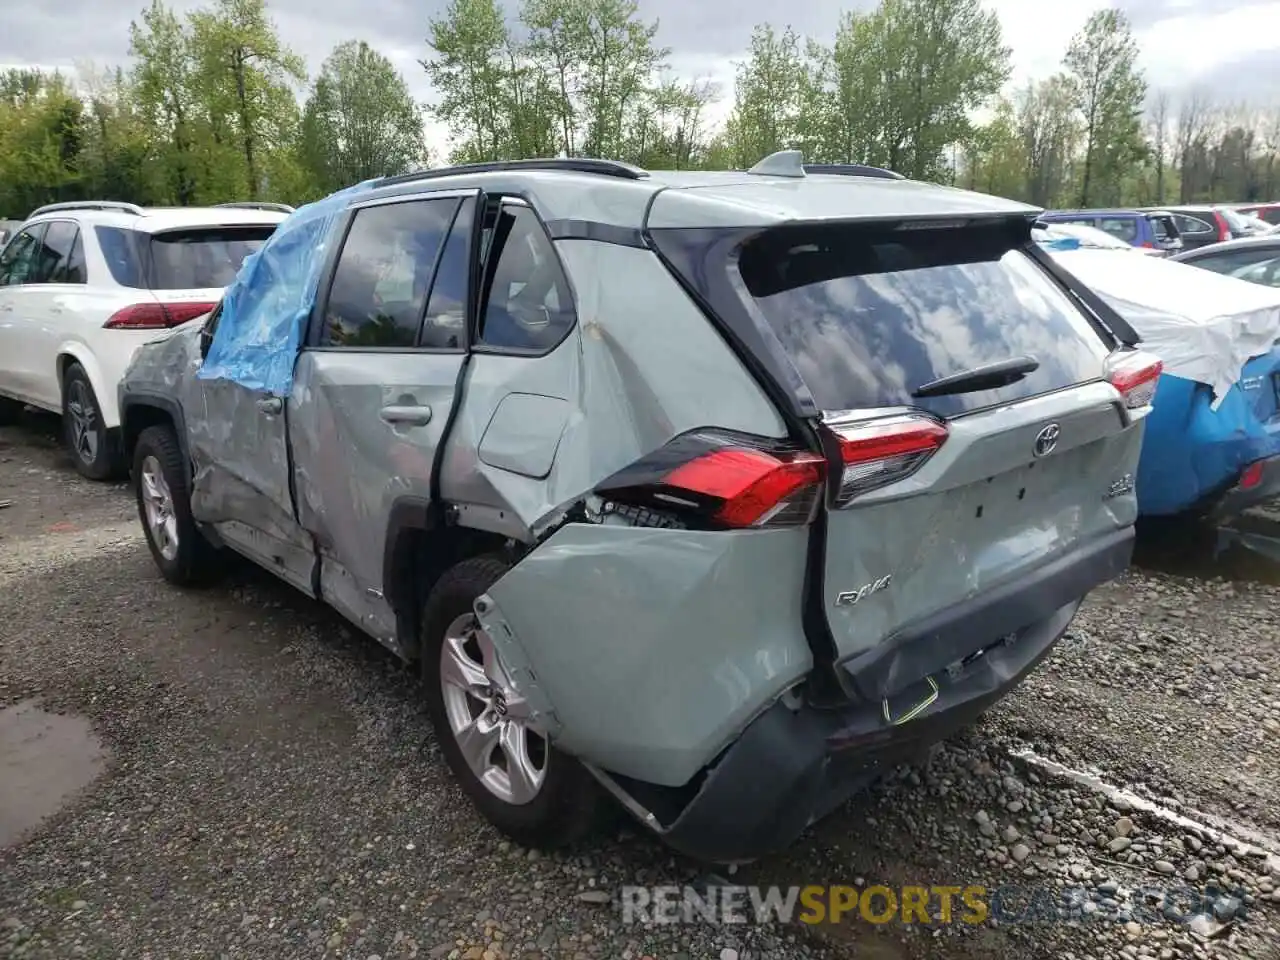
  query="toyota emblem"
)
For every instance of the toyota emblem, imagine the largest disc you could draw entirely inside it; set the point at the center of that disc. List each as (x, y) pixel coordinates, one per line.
(1046, 440)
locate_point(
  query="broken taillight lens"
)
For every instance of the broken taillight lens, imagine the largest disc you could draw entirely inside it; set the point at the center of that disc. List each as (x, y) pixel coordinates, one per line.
(875, 453)
(1135, 374)
(718, 480)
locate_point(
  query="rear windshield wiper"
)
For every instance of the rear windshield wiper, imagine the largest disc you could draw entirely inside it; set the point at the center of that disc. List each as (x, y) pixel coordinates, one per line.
(987, 377)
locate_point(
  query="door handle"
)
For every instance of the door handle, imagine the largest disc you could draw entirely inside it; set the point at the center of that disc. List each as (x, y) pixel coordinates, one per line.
(413, 416)
(271, 405)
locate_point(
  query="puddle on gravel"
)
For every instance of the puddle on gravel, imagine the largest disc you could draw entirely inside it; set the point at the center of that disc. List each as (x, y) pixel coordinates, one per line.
(1246, 550)
(45, 759)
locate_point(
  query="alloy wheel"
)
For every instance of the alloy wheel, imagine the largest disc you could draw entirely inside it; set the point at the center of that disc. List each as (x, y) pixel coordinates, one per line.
(157, 503)
(492, 723)
(84, 421)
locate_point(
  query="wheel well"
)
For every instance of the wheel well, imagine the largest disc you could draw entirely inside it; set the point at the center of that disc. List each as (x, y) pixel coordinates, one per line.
(64, 360)
(419, 558)
(134, 419)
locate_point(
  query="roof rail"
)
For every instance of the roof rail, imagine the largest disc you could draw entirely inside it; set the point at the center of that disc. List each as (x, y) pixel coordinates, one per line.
(853, 170)
(132, 208)
(257, 205)
(604, 168)
(783, 163)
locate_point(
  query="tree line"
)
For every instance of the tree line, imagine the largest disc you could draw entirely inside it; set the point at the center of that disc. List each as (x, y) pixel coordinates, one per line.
(215, 106)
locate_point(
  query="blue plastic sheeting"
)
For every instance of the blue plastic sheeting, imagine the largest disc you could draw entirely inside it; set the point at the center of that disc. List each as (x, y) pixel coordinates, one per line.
(265, 310)
(1191, 453)
(1061, 243)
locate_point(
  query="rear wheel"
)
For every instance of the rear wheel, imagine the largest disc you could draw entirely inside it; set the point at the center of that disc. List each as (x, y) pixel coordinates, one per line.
(181, 552)
(522, 784)
(93, 448)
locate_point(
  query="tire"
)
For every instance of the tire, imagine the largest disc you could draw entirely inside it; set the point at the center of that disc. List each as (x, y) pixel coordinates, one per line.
(10, 411)
(566, 803)
(179, 549)
(94, 449)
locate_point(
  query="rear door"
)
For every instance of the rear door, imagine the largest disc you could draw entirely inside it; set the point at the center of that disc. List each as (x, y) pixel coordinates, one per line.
(1196, 231)
(1024, 472)
(58, 305)
(375, 385)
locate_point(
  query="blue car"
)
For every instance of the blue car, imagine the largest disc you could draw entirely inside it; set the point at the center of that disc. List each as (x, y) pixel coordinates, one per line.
(1212, 441)
(1151, 229)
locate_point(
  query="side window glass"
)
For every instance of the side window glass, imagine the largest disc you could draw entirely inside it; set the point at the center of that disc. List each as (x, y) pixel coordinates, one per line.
(1192, 225)
(527, 305)
(1123, 227)
(63, 258)
(18, 260)
(380, 284)
(445, 323)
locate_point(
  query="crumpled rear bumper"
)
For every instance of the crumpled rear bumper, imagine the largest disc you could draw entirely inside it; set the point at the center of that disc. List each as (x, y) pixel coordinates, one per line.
(795, 763)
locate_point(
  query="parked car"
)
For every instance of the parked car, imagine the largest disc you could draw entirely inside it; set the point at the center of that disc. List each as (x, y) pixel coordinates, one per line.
(1268, 213)
(1151, 229)
(1202, 224)
(1256, 259)
(1088, 238)
(1212, 445)
(83, 284)
(555, 430)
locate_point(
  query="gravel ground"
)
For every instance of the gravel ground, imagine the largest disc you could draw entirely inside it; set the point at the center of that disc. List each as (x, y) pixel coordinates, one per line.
(272, 789)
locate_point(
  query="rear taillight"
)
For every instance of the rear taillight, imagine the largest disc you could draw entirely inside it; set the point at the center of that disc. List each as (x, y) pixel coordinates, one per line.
(714, 480)
(1148, 245)
(1252, 476)
(1135, 375)
(875, 453)
(156, 316)
(1224, 228)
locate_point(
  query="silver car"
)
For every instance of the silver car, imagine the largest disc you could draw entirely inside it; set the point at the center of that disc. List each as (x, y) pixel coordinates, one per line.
(714, 492)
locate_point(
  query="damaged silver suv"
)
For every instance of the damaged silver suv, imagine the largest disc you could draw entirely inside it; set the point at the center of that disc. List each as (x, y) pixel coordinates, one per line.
(720, 491)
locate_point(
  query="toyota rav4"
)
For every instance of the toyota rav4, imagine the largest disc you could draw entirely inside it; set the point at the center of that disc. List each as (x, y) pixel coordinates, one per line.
(720, 491)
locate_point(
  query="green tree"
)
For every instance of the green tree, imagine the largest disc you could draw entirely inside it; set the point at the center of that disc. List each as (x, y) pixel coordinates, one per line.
(470, 77)
(163, 93)
(771, 94)
(1049, 133)
(247, 76)
(1107, 90)
(360, 120)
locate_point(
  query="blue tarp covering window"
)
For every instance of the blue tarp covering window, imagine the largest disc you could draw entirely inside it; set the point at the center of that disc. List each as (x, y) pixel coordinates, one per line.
(265, 310)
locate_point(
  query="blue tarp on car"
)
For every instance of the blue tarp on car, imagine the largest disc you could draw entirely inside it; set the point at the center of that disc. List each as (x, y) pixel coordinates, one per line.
(265, 309)
(1215, 409)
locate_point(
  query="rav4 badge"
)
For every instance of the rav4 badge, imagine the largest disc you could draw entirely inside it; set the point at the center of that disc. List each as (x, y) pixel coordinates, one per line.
(849, 597)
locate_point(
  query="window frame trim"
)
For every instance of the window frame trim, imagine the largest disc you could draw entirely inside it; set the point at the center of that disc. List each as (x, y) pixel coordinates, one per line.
(342, 231)
(74, 240)
(516, 199)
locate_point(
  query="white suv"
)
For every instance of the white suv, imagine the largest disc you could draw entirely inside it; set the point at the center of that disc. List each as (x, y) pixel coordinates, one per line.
(83, 284)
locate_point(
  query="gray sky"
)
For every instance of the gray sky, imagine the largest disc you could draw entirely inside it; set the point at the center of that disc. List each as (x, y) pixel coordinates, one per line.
(1232, 46)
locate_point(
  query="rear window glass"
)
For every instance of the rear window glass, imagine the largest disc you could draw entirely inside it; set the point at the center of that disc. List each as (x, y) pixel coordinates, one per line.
(181, 259)
(869, 318)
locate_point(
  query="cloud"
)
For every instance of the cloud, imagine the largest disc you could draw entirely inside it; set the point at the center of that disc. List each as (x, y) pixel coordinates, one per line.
(1223, 43)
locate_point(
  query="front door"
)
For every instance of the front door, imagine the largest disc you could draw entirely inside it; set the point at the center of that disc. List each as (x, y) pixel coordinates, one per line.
(241, 483)
(19, 305)
(374, 387)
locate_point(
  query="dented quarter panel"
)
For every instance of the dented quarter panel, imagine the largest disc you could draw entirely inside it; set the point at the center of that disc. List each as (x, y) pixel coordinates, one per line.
(655, 647)
(643, 361)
